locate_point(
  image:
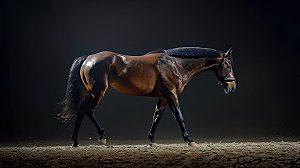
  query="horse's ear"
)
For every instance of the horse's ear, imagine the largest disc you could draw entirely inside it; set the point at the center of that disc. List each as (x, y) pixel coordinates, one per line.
(229, 52)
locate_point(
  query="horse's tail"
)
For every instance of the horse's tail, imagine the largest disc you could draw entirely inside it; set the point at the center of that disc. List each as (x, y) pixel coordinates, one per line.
(73, 95)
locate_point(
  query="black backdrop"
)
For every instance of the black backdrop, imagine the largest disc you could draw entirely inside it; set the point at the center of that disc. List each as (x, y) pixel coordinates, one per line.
(39, 41)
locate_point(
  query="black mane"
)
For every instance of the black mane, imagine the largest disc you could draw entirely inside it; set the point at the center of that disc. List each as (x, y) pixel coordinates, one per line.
(189, 52)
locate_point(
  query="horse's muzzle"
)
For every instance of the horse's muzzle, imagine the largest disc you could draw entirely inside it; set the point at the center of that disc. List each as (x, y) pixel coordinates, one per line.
(229, 86)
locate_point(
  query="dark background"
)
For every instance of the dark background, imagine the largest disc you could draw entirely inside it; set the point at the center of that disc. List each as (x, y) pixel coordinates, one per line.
(39, 41)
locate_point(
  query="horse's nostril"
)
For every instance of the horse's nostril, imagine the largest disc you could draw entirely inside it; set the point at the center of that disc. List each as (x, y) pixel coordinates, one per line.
(234, 85)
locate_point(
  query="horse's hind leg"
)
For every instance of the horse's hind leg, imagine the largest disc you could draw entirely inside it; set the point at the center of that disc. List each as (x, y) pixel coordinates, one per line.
(79, 118)
(90, 114)
(99, 128)
(87, 107)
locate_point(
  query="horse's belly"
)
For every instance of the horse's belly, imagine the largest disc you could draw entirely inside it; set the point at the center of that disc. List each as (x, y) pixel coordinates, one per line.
(137, 85)
(129, 89)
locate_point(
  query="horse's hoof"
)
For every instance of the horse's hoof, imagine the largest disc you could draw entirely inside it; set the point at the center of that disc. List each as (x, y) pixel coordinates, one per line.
(102, 141)
(75, 145)
(153, 144)
(194, 144)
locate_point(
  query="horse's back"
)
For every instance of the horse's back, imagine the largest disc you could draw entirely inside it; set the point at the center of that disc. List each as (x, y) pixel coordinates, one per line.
(134, 75)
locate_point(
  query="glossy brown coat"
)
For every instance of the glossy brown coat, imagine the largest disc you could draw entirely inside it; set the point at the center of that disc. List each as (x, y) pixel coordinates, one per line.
(154, 74)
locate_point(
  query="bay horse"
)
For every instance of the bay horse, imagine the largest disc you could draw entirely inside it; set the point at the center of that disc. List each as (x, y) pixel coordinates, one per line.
(159, 73)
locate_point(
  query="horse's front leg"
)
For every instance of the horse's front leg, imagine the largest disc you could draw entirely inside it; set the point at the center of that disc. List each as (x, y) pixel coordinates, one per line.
(174, 106)
(159, 110)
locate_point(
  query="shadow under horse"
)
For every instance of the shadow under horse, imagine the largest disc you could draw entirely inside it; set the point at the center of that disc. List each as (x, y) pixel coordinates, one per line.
(160, 73)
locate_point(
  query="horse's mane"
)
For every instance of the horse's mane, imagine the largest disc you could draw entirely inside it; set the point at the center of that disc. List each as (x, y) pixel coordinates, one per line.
(188, 52)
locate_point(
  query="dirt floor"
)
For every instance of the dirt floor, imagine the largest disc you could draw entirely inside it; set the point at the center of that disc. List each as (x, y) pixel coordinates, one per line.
(208, 154)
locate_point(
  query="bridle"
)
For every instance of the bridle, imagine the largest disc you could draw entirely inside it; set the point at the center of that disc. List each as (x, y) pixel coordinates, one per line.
(226, 79)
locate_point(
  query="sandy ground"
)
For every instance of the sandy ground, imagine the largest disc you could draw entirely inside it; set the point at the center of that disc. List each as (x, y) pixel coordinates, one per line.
(242, 154)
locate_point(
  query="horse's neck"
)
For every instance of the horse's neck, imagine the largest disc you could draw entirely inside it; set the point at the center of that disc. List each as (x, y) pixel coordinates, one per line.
(195, 66)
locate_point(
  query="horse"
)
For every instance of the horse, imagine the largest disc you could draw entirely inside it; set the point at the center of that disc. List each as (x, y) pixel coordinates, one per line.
(162, 73)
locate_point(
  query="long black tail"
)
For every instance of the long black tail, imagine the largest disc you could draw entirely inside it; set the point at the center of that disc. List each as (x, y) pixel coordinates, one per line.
(72, 99)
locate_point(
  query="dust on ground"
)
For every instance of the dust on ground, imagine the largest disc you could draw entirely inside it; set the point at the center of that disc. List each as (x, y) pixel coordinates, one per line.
(208, 154)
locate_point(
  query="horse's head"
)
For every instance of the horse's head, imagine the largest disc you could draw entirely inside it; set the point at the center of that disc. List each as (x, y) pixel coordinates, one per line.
(224, 72)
